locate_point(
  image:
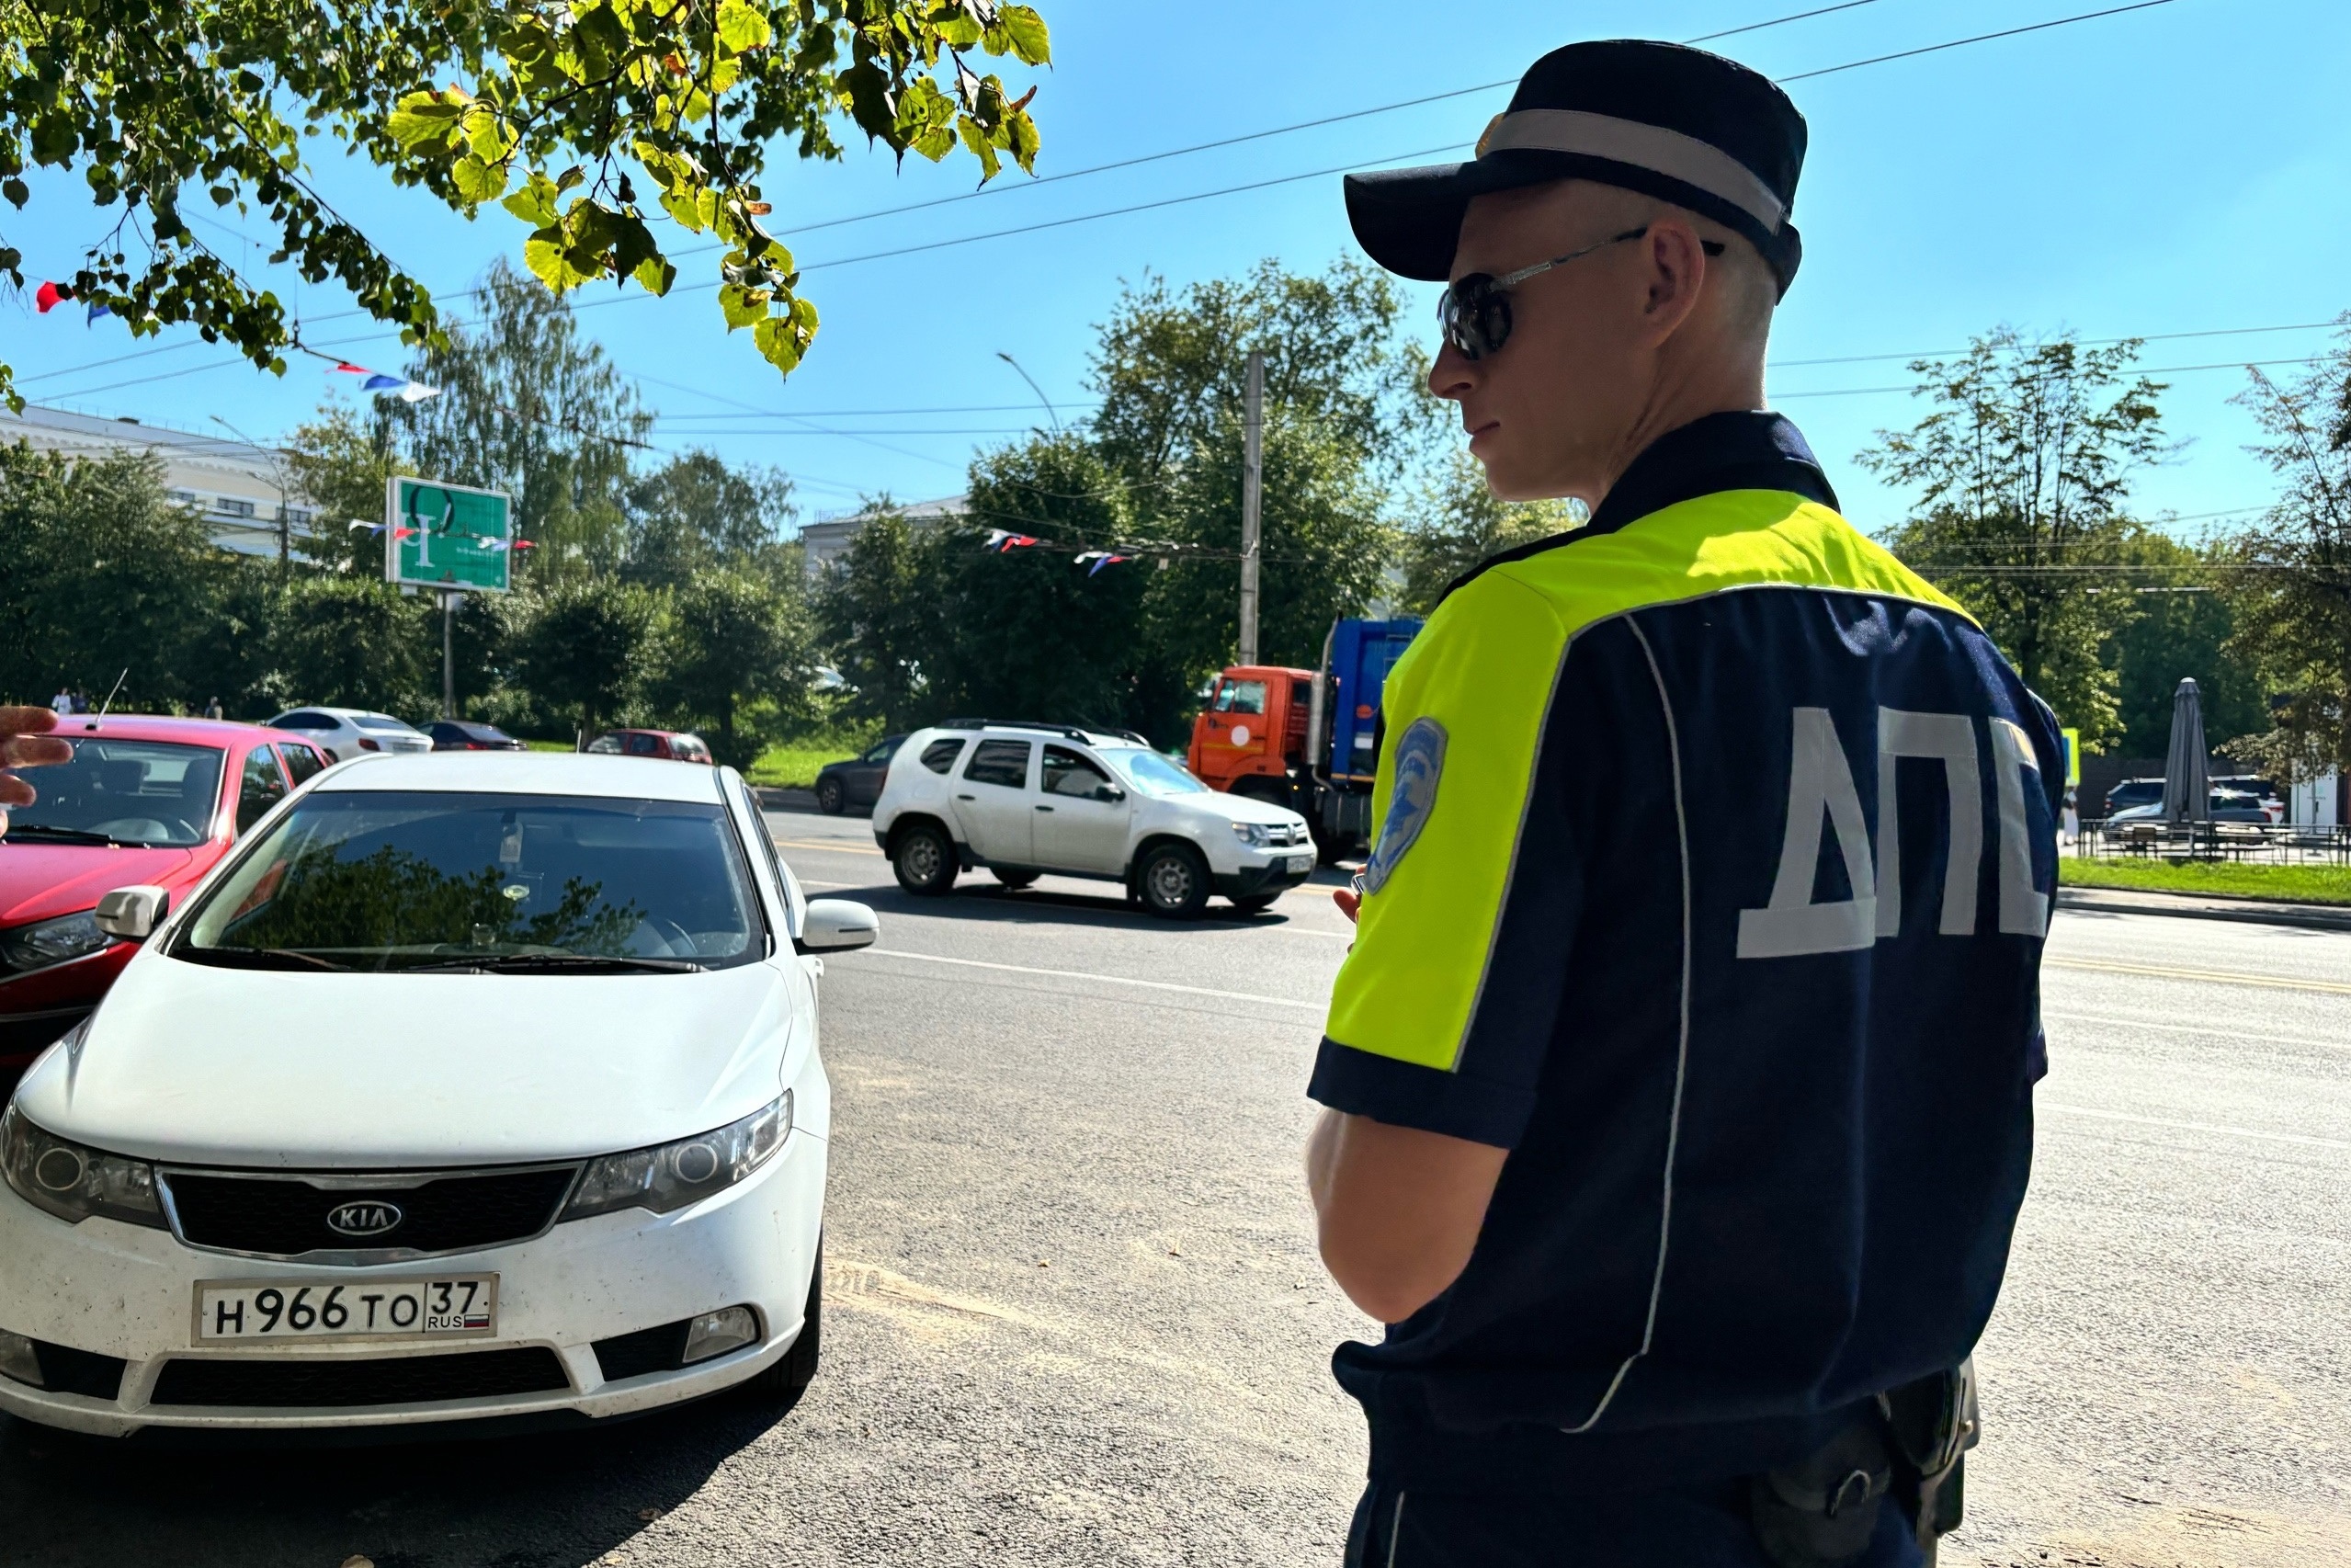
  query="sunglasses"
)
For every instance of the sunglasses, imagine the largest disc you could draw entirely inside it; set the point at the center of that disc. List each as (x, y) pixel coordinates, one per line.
(1474, 312)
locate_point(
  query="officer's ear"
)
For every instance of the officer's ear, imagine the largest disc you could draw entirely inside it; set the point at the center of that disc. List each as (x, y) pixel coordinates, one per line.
(1674, 262)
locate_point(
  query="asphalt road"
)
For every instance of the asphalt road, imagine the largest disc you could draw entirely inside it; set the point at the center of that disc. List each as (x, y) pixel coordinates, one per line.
(1074, 1317)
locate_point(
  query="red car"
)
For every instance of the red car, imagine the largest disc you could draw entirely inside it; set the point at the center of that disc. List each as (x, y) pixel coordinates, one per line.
(144, 802)
(675, 744)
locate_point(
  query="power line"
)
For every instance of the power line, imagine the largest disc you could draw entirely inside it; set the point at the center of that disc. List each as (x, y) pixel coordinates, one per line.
(2135, 370)
(1979, 38)
(2079, 343)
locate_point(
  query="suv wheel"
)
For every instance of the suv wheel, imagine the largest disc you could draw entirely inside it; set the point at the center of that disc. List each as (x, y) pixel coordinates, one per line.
(924, 859)
(1174, 882)
(829, 799)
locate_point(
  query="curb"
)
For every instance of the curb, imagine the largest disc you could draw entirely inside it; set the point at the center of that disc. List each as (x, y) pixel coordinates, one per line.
(771, 800)
(2118, 901)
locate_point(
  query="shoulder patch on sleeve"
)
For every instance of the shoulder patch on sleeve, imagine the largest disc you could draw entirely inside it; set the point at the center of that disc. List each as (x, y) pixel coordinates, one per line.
(1419, 765)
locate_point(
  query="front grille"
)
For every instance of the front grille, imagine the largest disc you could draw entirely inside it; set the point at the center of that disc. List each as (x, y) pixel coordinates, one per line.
(64, 1369)
(343, 1381)
(660, 1349)
(286, 1216)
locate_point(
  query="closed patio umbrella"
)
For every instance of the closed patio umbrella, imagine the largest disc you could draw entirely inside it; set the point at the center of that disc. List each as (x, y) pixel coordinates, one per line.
(2188, 783)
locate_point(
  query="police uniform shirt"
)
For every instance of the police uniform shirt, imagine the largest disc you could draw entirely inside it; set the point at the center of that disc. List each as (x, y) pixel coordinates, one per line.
(1715, 855)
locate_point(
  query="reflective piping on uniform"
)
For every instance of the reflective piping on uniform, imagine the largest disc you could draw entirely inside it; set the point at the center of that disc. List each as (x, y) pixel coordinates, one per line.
(1682, 1049)
(1533, 769)
(1395, 1529)
(1651, 147)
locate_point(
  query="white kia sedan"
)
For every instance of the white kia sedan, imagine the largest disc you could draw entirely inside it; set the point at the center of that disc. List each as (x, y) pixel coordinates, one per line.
(472, 1087)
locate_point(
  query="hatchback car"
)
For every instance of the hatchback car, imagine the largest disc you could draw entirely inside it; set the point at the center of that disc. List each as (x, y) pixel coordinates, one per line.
(674, 745)
(856, 781)
(464, 734)
(346, 732)
(1024, 799)
(594, 1185)
(143, 800)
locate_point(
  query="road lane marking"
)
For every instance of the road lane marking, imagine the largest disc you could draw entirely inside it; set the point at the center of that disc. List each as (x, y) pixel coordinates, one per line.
(2296, 1138)
(1104, 979)
(833, 847)
(2219, 1031)
(2210, 976)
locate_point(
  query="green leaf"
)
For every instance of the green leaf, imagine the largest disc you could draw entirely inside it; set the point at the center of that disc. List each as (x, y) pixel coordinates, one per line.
(535, 203)
(1025, 142)
(682, 205)
(557, 266)
(14, 189)
(420, 118)
(632, 244)
(598, 41)
(1026, 29)
(742, 26)
(477, 181)
(655, 275)
(780, 344)
(960, 31)
(743, 307)
(54, 138)
(976, 140)
(488, 135)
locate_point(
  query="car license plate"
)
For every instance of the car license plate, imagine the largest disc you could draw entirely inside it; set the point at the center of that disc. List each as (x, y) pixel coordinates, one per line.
(1299, 864)
(452, 1306)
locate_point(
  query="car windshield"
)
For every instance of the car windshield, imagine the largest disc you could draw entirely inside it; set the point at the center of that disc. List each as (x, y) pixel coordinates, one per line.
(121, 792)
(383, 723)
(371, 880)
(1156, 774)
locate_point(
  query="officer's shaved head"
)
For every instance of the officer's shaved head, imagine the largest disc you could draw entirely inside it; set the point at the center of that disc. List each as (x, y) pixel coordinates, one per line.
(1607, 352)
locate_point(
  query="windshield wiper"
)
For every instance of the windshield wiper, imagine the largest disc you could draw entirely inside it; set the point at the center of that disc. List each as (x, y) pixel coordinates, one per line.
(260, 957)
(61, 835)
(525, 963)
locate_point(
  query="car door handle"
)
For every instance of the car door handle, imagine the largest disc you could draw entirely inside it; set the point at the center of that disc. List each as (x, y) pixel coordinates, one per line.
(1044, 808)
(967, 797)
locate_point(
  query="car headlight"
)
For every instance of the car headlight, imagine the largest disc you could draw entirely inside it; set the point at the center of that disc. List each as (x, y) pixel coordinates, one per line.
(671, 1175)
(71, 1182)
(47, 942)
(1251, 833)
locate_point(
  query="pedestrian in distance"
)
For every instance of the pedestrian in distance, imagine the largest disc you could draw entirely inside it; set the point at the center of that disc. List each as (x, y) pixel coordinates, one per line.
(212, 708)
(1677, 1087)
(62, 703)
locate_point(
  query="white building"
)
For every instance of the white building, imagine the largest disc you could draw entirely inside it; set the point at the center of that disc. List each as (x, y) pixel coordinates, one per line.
(823, 542)
(244, 493)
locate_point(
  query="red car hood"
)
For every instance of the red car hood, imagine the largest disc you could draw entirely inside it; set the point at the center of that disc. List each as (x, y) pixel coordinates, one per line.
(42, 881)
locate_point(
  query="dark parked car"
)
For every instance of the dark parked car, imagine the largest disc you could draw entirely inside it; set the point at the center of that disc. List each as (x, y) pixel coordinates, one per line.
(460, 734)
(2227, 805)
(2134, 793)
(857, 781)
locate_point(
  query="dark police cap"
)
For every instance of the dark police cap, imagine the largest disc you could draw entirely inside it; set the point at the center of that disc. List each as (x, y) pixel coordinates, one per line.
(1670, 121)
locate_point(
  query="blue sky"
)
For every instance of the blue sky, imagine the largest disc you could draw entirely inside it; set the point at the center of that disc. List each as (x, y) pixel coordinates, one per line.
(2185, 168)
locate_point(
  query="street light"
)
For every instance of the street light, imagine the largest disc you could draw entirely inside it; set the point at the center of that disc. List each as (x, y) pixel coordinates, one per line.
(1049, 411)
(276, 472)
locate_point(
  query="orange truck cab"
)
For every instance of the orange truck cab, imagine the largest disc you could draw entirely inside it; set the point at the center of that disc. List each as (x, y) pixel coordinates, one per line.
(1251, 739)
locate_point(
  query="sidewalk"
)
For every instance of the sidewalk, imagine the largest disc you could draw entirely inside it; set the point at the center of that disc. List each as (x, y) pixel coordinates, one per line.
(2259, 911)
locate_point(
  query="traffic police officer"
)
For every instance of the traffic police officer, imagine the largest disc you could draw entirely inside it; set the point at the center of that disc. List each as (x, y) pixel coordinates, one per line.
(1678, 1085)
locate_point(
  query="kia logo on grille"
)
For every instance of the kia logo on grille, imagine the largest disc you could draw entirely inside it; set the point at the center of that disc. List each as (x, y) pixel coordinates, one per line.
(369, 1218)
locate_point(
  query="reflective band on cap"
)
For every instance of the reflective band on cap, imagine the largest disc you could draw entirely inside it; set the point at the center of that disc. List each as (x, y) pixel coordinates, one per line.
(1651, 147)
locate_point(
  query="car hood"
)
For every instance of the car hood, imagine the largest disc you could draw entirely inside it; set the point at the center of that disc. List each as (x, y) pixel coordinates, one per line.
(1220, 807)
(38, 881)
(187, 1062)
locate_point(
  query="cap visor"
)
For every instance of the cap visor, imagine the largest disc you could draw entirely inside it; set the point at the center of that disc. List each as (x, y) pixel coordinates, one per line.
(1409, 221)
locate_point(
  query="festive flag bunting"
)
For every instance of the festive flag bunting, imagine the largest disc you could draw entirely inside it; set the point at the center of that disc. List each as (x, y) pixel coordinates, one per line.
(45, 298)
(378, 382)
(96, 310)
(401, 533)
(371, 527)
(525, 545)
(417, 391)
(1104, 558)
(1006, 541)
(350, 370)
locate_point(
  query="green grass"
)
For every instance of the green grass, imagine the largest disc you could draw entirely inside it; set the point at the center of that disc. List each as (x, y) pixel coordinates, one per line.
(547, 745)
(793, 765)
(2288, 884)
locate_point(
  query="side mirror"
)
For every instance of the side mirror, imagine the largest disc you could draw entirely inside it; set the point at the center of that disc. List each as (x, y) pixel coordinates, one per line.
(836, 926)
(1109, 792)
(133, 913)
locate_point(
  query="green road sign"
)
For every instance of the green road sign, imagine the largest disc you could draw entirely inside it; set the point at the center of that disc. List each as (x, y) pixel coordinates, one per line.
(447, 536)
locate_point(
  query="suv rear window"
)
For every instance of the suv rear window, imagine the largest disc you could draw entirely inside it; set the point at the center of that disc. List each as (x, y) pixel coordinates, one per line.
(939, 755)
(999, 762)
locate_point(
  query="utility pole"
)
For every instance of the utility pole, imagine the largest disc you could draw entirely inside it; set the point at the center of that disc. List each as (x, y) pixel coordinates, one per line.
(1252, 479)
(449, 656)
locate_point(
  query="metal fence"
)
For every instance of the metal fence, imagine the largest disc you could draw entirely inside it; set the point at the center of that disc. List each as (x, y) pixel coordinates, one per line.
(2278, 844)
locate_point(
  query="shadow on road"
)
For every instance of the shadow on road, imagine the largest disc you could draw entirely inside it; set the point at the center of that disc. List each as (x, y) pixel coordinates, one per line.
(549, 1501)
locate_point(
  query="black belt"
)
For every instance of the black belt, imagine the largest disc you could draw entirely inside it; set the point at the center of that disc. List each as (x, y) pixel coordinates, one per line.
(1822, 1511)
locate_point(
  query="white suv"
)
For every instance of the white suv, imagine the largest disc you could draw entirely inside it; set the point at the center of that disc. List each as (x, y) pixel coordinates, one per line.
(1023, 799)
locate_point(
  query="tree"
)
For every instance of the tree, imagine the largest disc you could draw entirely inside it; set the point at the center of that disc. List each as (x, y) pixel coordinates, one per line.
(2021, 473)
(355, 642)
(2181, 624)
(2290, 589)
(560, 111)
(107, 577)
(730, 640)
(531, 408)
(879, 616)
(582, 645)
(696, 513)
(1457, 523)
(342, 462)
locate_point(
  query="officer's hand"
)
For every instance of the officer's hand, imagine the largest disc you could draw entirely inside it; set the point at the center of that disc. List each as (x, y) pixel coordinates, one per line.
(24, 742)
(1348, 900)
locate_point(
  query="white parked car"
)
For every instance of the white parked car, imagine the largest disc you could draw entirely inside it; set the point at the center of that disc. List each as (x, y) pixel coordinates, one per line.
(551, 1145)
(345, 733)
(1024, 799)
